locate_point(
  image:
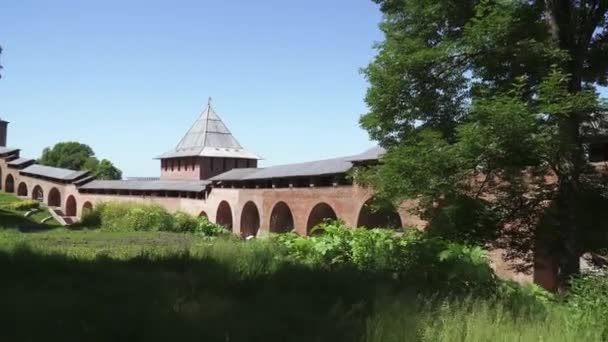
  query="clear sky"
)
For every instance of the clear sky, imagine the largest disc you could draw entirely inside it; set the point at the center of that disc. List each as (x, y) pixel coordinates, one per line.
(129, 77)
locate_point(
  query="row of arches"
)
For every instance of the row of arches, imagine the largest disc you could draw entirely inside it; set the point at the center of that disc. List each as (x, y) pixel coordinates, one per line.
(281, 217)
(53, 199)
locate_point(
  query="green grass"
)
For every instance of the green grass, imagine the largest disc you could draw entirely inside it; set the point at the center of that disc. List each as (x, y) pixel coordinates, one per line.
(63, 285)
(16, 219)
(92, 285)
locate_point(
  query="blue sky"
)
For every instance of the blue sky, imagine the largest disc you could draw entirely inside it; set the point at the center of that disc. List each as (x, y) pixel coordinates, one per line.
(129, 77)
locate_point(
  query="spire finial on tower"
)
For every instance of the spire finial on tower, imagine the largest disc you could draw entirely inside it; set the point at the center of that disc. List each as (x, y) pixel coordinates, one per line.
(209, 102)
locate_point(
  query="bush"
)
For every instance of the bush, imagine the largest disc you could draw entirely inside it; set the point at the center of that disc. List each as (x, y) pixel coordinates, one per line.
(140, 217)
(415, 257)
(23, 205)
(91, 218)
(184, 223)
(134, 217)
(207, 228)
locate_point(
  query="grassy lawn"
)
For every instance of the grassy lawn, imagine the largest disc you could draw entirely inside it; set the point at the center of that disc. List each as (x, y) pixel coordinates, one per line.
(16, 219)
(92, 285)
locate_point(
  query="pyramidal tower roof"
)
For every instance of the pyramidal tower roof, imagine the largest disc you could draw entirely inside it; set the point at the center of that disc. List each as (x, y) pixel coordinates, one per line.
(209, 137)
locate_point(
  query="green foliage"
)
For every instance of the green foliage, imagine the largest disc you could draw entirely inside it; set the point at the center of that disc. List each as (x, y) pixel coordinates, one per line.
(128, 217)
(415, 256)
(218, 289)
(482, 100)
(134, 217)
(22, 205)
(588, 301)
(69, 155)
(472, 319)
(76, 156)
(207, 228)
(184, 223)
(103, 169)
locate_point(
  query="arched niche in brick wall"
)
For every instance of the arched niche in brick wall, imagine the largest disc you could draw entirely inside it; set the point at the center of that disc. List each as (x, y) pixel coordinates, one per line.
(319, 214)
(378, 215)
(54, 199)
(281, 218)
(38, 193)
(9, 184)
(224, 215)
(71, 206)
(87, 207)
(250, 220)
(22, 189)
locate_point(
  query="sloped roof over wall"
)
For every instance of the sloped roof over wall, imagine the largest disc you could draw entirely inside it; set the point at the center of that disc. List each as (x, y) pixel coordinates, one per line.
(20, 162)
(373, 153)
(7, 150)
(209, 137)
(53, 172)
(141, 185)
(307, 169)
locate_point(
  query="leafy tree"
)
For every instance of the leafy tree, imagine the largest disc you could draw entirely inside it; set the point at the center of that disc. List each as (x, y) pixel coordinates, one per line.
(76, 156)
(489, 101)
(106, 170)
(70, 155)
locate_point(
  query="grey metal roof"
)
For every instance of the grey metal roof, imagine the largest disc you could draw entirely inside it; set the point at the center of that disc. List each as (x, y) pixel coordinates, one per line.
(209, 137)
(235, 174)
(20, 161)
(373, 153)
(307, 169)
(84, 180)
(6, 150)
(140, 185)
(313, 168)
(53, 172)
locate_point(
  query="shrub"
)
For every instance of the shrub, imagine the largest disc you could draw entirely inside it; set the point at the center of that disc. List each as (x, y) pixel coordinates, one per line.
(184, 223)
(415, 257)
(207, 228)
(134, 217)
(91, 218)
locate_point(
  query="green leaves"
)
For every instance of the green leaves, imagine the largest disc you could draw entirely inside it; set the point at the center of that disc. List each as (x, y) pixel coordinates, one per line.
(76, 156)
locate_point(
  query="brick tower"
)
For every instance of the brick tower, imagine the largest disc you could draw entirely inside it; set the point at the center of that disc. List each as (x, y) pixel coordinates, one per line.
(3, 132)
(206, 150)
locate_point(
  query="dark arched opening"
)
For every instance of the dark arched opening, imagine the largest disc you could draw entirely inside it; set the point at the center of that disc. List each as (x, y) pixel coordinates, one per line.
(70, 206)
(281, 219)
(22, 189)
(87, 207)
(377, 215)
(38, 193)
(320, 213)
(54, 198)
(9, 185)
(224, 215)
(250, 220)
(203, 214)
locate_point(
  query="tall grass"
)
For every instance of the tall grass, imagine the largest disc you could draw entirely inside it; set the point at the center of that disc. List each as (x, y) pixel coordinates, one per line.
(478, 320)
(345, 285)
